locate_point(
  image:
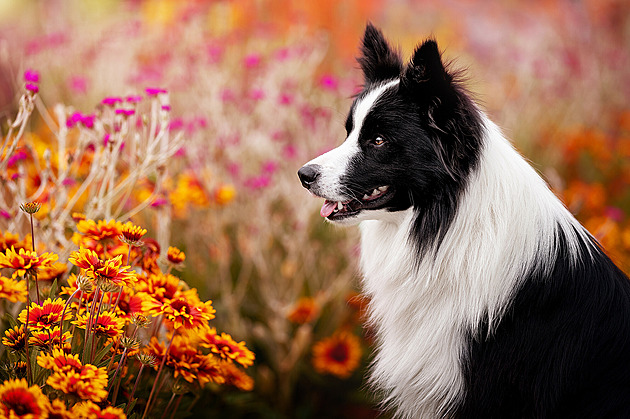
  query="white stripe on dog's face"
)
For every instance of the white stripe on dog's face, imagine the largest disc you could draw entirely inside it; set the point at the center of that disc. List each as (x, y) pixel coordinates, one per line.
(334, 163)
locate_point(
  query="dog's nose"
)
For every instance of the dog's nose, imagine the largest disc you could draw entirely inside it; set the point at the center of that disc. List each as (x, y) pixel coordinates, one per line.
(308, 174)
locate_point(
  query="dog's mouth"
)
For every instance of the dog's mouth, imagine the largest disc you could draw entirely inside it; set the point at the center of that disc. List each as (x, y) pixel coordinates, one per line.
(373, 199)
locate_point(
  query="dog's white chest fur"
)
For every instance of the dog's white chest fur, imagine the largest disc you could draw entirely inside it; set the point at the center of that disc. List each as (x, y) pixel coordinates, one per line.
(417, 363)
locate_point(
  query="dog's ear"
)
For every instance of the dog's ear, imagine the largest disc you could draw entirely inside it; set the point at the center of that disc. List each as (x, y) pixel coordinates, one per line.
(425, 77)
(379, 61)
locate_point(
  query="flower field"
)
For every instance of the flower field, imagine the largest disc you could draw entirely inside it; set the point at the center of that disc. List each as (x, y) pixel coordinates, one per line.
(158, 256)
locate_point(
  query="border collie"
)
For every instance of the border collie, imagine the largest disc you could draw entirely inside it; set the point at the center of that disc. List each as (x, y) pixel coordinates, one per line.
(489, 299)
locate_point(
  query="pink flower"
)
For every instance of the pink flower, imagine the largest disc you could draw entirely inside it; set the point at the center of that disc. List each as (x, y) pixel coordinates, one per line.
(111, 101)
(133, 98)
(285, 99)
(252, 60)
(257, 94)
(31, 76)
(181, 152)
(176, 124)
(227, 95)
(166, 108)
(282, 54)
(69, 182)
(215, 53)
(31, 87)
(125, 112)
(289, 151)
(159, 202)
(269, 167)
(258, 182)
(5, 214)
(16, 157)
(78, 84)
(88, 121)
(154, 91)
(329, 82)
(106, 140)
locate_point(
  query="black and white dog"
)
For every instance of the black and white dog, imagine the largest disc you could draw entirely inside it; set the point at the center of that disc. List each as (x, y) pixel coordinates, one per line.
(489, 299)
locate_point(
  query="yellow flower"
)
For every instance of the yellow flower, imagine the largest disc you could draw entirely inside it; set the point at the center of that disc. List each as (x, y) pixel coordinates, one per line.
(338, 354)
(227, 348)
(224, 194)
(90, 410)
(47, 314)
(12, 290)
(110, 270)
(70, 376)
(18, 400)
(26, 261)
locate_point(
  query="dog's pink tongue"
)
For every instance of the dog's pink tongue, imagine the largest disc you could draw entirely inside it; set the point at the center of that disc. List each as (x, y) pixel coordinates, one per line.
(327, 208)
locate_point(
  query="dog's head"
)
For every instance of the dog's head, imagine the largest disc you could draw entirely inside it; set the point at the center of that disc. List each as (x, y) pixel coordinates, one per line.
(409, 138)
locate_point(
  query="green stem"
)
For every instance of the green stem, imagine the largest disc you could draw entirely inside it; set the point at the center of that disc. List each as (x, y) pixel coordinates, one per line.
(135, 386)
(33, 241)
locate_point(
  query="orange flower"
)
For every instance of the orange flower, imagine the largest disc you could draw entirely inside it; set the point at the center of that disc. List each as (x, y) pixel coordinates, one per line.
(18, 400)
(175, 256)
(15, 338)
(69, 375)
(237, 377)
(338, 354)
(132, 234)
(12, 290)
(46, 315)
(90, 410)
(25, 261)
(185, 361)
(159, 286)
(101, 236)
(101, 230)
(58, 410)
(183, 312)
(107, 324)
(110, 270)
(54, 271)
(9, 240)
(304, 311)
(226, 347)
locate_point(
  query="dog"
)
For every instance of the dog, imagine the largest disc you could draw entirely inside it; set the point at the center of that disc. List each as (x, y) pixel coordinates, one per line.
(488, 298)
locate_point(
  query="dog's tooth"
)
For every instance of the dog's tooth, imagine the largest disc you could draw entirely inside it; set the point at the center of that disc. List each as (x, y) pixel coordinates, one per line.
(383, 188)
(375, 192)
(339, 205)
(366, 196)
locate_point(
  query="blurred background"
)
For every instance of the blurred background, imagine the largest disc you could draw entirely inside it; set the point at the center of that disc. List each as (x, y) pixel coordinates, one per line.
(259, 87)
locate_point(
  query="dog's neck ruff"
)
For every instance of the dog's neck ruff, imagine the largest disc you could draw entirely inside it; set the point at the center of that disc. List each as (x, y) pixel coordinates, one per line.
(424, 311)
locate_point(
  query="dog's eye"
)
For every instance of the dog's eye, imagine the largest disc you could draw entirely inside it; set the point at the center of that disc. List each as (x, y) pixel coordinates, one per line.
(378, 141)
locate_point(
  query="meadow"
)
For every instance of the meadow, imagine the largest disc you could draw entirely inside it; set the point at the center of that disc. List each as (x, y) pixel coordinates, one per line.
(149, 201)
